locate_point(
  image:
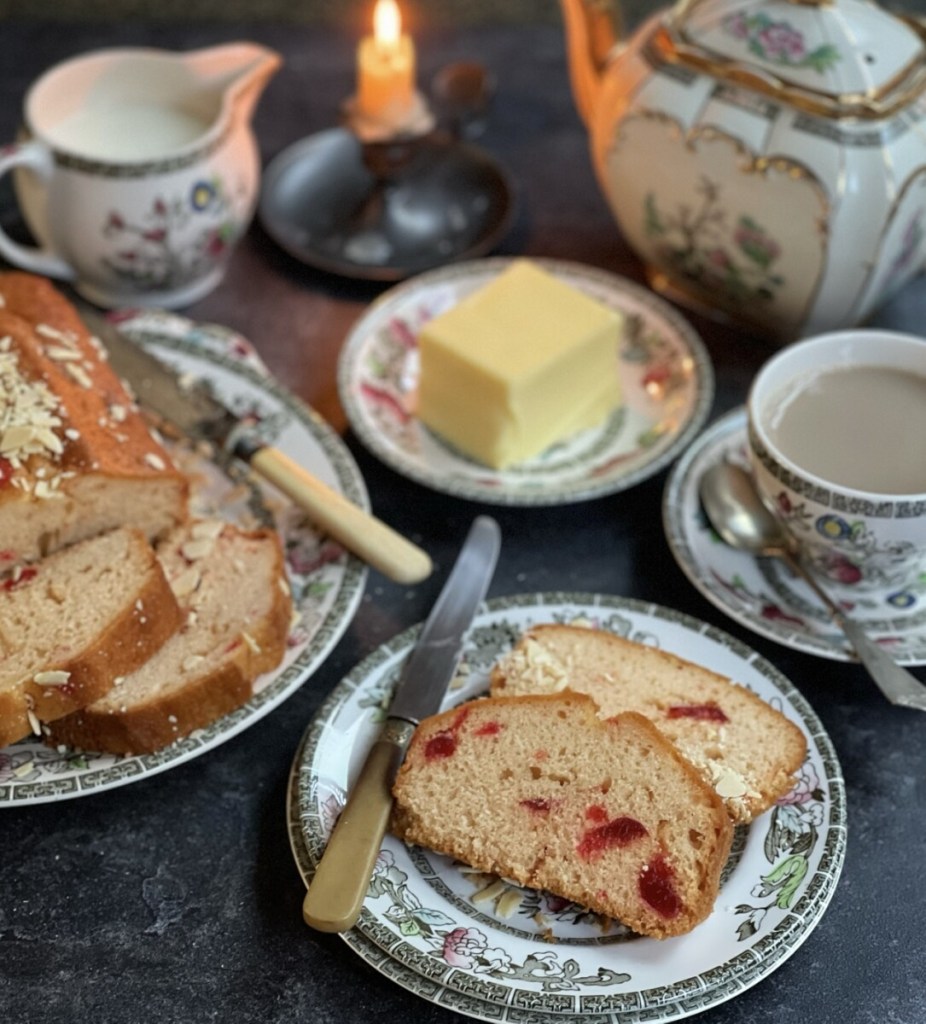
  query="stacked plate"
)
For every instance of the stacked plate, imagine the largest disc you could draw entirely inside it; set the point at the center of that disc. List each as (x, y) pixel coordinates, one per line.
(493, 951)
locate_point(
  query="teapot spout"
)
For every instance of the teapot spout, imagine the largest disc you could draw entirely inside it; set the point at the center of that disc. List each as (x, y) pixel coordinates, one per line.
(237, 72)
(593, 30)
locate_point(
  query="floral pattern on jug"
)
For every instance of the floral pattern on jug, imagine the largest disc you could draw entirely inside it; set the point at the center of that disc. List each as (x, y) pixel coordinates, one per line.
(177, 239)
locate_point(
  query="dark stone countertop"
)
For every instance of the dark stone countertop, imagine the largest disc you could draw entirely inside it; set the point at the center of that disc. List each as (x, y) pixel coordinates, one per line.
(176, 899)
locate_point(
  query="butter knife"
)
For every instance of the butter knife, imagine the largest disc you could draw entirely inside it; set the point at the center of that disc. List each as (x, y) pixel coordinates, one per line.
(340, 883)
(191, 409)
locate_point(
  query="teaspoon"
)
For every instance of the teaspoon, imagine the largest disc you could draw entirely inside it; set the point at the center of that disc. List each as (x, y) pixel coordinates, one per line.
(737, 513)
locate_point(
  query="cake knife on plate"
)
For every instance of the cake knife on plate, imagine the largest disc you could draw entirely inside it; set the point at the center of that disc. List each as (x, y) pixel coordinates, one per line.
(193, 410)
(341, 880)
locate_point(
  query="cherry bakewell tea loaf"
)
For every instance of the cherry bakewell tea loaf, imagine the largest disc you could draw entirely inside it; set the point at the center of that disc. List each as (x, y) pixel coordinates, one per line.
(747, 749)
(542, 791)
(76, 456)
(236, 605)
(72, 623)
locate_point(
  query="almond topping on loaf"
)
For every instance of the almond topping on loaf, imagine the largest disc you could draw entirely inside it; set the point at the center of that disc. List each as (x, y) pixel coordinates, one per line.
(66, 473)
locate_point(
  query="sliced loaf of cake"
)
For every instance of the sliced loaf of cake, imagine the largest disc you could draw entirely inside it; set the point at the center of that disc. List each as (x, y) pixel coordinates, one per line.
(231, 585)
(72, 623)
(76, 456)
(542, 791)
(748, 750)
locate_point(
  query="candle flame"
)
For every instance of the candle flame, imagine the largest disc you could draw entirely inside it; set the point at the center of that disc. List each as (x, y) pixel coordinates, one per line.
(387, 23)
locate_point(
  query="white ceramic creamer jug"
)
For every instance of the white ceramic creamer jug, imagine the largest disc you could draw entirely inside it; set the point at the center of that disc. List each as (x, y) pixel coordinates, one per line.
(137, 170)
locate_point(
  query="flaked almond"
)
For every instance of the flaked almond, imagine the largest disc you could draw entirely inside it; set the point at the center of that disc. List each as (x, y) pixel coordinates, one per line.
(193, 550)
(52, 677)
(210, 528)
(155, 461)
(192, 661)
(78, 374)
(251, 642)
(187, 582)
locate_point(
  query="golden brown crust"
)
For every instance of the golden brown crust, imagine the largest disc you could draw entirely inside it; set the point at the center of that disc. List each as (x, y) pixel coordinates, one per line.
(100, 438)
(148, 617)
(141, 726)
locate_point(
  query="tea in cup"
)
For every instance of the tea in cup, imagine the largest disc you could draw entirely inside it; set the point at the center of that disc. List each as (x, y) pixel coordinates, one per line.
(137, 172)
(837, 442)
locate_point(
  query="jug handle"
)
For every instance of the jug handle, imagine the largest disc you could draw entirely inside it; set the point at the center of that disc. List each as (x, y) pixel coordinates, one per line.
(37, 158)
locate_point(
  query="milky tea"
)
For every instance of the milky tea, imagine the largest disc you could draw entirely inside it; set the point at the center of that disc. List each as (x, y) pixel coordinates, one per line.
(862, 427)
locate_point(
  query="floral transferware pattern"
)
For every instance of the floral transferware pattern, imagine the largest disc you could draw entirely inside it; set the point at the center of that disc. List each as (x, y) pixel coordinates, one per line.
(665, 375)
(739, 263)
(326, 583)
(503, 949)
(779, 42)
(761, 594)
(179, 239)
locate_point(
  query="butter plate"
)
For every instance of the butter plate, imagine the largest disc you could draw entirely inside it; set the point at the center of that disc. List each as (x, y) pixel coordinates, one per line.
(665, 374)
(326, 583)
(494, 951)
(761, 594)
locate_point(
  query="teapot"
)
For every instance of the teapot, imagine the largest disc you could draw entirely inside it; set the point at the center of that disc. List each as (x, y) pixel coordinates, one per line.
(136, 170)
(765, 159)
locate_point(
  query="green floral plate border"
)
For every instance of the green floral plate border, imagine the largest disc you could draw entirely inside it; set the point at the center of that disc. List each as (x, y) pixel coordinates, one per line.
(760, 593)
(326, 583)
(498, 952)
(666, 379)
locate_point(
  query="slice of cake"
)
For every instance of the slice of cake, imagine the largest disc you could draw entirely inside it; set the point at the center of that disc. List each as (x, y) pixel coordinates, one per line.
(749, 751)
(231, 585)
(520, 363)
(72, 623)
(544, 792)
(76, 456)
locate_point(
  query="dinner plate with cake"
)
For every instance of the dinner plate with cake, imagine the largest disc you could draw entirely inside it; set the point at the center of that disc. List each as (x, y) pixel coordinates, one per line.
(153, 601)
(620, 814)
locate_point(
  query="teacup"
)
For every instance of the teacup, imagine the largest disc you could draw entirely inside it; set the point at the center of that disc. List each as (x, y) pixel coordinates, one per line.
(137, 171)
(837, 442)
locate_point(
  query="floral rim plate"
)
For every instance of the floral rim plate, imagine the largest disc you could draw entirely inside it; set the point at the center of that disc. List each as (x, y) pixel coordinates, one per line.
(326, 583)
(761, 594)
(666, 378)
(502, 952)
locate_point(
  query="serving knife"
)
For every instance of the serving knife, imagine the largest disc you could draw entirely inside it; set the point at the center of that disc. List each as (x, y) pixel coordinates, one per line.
(341, 880)
(191, 409)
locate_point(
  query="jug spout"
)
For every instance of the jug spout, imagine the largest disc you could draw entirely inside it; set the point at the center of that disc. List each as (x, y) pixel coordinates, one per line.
(237, 72)
(593, 30)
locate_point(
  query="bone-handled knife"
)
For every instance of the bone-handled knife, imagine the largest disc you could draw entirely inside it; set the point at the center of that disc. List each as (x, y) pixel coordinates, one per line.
(340, 883)
(192, 410)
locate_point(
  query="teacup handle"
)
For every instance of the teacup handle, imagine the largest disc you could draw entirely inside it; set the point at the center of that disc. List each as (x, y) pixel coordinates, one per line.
(39, 260)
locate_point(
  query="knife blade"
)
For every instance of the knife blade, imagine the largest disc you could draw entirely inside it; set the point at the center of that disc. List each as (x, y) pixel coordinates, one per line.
(191, 409)
(340, 883)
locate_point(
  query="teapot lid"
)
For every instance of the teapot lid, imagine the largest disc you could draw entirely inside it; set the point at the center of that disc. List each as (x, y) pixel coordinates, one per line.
(848, 57)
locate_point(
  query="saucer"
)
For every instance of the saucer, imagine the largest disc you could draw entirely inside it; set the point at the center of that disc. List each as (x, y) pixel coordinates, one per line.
(761, 594)
(664, 372)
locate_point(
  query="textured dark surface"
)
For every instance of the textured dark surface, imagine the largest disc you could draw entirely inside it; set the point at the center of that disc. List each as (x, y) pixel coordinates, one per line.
(177, 899)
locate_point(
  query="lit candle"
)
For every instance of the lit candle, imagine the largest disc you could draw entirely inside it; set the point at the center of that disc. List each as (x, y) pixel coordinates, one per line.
(386, 68)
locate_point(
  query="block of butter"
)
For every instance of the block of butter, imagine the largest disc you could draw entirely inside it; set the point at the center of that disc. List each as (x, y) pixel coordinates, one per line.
(520, 363)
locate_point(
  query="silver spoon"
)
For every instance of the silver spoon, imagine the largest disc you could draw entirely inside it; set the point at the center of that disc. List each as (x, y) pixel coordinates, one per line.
(738, 514)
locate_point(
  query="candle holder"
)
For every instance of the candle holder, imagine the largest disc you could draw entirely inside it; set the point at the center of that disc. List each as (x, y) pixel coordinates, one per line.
(382, 203)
